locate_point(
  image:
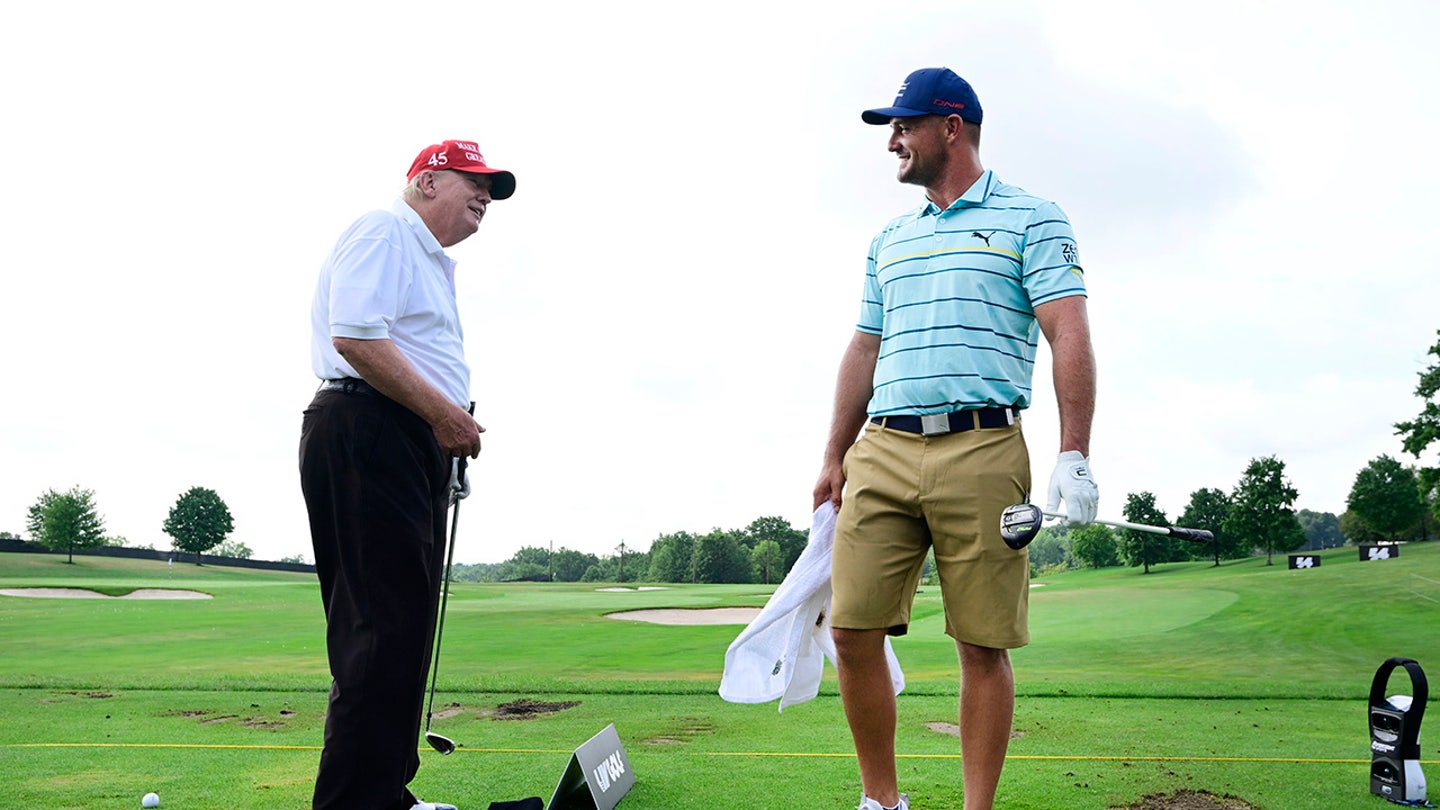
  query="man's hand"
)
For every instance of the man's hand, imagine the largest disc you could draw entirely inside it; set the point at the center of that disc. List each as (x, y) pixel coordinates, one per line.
(829, 487)
(457, 433)
(1072, 483)
(382, 365)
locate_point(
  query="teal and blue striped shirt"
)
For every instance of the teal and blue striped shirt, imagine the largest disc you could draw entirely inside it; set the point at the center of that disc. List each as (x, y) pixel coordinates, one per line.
(952, 295)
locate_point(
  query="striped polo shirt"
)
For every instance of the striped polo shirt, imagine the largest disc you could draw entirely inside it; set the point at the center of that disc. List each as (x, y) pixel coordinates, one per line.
(952, 295)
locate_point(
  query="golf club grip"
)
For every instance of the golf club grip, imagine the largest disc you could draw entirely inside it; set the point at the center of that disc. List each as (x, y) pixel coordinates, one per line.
(1193, 535)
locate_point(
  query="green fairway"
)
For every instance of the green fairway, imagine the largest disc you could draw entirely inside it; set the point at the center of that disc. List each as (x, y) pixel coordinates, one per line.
(1244, 679)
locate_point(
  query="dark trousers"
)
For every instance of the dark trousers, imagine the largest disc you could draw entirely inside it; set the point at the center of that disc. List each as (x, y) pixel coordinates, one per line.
(376, 489)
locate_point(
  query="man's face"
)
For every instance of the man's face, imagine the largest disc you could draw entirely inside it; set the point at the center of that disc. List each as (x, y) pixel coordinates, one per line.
(461, 199)
(919, 142)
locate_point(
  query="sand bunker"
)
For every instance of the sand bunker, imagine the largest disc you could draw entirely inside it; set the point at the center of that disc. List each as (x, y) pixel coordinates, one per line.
(631, 590)
(81, 593)
(733, 615)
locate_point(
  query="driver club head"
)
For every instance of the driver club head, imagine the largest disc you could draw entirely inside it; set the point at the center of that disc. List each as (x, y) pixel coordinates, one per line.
(1019, 524)
(444, 745)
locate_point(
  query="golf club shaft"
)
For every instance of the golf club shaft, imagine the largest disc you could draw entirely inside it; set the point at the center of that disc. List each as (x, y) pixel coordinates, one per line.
(444, 598)
(445, 587)
(1193, 535)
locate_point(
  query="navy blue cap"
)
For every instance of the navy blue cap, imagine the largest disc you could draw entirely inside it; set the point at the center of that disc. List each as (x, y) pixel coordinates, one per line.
(930, 91)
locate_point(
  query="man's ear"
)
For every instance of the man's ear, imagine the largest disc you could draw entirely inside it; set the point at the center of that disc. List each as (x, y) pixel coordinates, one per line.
(954, 127)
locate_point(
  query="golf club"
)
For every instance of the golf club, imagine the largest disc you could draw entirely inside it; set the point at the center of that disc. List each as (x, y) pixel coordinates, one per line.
(1020, 523)
(440, 742)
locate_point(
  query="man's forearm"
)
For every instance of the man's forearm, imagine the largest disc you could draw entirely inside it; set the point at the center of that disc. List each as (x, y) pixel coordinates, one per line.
(382, 365)
(853, 389)
(1074, 376)
(1066, 325)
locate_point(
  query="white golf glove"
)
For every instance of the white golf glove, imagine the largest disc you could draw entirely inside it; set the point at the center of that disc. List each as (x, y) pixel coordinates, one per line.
(1072, 483)
(459, 484)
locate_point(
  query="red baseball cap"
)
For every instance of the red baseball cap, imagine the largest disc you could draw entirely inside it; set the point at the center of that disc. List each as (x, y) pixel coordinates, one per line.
(462, 156)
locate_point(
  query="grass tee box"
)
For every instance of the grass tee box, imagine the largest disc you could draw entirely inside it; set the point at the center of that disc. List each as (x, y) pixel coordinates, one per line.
(1244, 679)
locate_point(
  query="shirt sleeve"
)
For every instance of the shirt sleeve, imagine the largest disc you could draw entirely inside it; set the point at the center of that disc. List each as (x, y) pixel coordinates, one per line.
(1051, 261)
(369, 281)
(872, 308)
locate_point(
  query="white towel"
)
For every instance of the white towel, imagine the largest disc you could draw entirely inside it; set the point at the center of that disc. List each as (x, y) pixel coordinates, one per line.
(782, 652)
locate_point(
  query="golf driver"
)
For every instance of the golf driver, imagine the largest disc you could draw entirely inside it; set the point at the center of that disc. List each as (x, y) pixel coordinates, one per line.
(440, 742)
(1020, 523)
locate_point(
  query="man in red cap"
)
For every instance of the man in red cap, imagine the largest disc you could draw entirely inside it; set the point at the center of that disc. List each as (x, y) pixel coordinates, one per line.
(377, 446)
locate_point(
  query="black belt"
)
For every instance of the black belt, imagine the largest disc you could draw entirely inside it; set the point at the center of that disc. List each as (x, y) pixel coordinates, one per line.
(938, 424)
(348, 385)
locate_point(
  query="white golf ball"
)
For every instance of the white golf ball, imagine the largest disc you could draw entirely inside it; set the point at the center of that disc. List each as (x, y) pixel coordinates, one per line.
(150, 800)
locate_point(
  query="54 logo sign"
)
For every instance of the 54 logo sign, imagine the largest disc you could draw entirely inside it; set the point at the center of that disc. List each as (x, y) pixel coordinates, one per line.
(1379, 552)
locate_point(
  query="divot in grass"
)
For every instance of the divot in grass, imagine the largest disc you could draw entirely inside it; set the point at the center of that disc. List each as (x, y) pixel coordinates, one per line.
(524, 709)
(1189, 800)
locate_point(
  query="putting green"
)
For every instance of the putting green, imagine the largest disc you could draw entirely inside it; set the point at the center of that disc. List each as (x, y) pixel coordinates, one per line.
(1109, 613)
(1105, 614)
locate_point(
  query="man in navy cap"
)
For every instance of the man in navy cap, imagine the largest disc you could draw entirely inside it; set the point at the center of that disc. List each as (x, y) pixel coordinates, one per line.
(957, 295)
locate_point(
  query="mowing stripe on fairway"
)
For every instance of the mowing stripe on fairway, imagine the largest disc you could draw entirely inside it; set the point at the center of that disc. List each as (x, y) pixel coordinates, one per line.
(789, 754)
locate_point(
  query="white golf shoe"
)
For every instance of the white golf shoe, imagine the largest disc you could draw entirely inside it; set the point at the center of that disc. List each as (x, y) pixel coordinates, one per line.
(433, 806)
(867, 803)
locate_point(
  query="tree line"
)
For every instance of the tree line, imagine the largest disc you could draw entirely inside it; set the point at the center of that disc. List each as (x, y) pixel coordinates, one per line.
(1389, 501)
(762, 552)
(1257, 516)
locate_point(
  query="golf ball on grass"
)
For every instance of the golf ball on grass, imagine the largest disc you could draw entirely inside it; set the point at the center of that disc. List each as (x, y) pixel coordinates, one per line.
(150, 800)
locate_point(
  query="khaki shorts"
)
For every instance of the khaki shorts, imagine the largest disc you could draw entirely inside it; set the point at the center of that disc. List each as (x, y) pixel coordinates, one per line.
(905, 492)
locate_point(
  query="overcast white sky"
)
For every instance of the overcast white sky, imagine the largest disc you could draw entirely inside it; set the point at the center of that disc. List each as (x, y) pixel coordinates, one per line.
(656, 317)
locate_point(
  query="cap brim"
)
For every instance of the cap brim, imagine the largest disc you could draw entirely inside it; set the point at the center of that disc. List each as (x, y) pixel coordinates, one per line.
(502, 183)
(884, 114)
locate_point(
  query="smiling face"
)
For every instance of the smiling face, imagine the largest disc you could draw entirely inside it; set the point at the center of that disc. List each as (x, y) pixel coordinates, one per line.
(920, 143)
(455, 203)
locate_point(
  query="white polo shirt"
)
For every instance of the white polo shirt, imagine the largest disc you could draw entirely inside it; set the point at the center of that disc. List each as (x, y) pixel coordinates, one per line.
(388, 277)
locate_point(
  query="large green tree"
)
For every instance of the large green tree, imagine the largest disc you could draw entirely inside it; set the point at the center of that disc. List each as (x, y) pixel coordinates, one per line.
(1095, 546)
(199, 521)
(720, 557)
(1424, 430)
(66, 520)
(1261, 509)
(1386, 496)
(767, 559)
(1144, 548)
(670, 556)
(1207, 510)
(790, 539)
